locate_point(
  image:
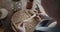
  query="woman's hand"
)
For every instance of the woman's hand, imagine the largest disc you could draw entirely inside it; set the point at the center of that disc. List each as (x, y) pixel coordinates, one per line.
(38, 16)
(21, 27)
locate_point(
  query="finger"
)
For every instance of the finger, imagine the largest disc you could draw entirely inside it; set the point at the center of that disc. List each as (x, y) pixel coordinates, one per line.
(23, 25)
(21, 28)
(38, 17)
(20, 24)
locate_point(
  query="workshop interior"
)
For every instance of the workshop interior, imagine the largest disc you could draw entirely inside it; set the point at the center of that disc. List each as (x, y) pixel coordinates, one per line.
(29, 16)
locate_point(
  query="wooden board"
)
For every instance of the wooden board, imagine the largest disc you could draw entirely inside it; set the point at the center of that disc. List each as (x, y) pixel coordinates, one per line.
(1, 29)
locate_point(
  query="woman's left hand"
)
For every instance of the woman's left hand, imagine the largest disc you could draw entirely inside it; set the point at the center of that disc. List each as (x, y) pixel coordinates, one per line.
(21, 27)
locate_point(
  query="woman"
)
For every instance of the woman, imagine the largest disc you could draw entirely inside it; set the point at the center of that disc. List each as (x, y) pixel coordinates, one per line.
(52, 9)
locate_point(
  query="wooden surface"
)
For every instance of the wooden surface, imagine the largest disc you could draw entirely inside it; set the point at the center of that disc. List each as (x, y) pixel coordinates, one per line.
(1, 29)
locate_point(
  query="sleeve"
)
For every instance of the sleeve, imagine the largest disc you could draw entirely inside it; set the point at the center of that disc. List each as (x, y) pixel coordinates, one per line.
(42, 26)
